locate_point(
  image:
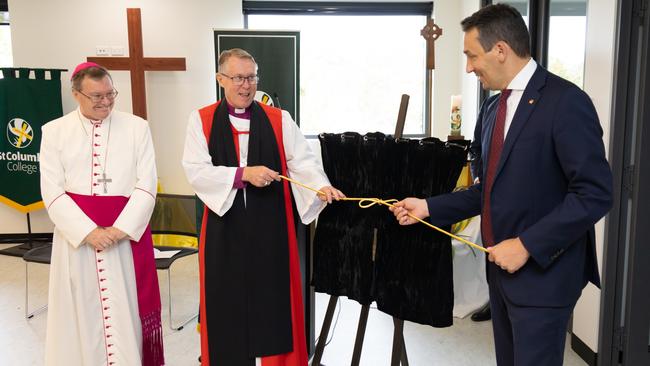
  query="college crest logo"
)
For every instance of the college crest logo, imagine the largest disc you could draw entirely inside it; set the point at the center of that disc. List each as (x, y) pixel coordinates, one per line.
(19, 133)
(264, 97)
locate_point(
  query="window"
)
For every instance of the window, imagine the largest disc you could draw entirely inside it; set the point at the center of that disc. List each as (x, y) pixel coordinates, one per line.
(6, 55)
(520, 5)
(566, 39)
(354, 68)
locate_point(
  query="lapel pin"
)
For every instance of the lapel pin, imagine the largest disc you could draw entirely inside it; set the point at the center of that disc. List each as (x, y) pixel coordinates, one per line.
(531, 101)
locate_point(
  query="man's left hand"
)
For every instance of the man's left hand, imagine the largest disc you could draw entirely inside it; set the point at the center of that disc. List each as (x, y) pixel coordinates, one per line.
(509, 254)
(331, 193)
(115, 233)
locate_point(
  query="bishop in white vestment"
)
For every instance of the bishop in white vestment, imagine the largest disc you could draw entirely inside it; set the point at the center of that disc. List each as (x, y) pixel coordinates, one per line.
(89, 157)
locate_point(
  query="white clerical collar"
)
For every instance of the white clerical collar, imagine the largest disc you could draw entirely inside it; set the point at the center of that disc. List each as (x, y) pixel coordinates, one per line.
(85, 119)
(521, 80)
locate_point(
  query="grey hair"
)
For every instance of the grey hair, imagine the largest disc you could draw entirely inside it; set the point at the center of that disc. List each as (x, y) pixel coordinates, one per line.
(234, 52)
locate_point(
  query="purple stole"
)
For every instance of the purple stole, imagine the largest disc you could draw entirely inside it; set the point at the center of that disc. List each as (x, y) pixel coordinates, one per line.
(104, 210)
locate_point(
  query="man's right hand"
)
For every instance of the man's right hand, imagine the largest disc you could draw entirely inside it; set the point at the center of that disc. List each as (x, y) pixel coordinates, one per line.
(259, 176)
(99, 238)
(414, 206)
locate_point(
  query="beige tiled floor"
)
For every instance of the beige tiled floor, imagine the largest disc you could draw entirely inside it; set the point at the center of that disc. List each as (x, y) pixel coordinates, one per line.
(466, 343)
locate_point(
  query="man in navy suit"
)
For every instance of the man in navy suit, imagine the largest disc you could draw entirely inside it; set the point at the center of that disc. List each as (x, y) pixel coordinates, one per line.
(544, 183)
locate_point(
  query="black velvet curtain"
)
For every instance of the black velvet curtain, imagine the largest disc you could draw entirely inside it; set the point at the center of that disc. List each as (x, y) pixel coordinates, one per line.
(409, 274)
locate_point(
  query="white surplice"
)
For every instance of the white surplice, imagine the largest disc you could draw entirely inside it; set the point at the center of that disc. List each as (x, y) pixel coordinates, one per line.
(214, 184)
(93, 305)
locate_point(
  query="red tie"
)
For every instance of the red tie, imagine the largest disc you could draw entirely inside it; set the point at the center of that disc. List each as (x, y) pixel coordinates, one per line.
(496, 146)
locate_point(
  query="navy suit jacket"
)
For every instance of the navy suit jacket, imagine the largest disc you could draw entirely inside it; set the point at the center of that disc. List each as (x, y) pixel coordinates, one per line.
(552, 184)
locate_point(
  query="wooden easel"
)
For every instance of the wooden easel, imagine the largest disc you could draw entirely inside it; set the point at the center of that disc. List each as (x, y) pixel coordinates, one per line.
(431, 32)
(399, 346)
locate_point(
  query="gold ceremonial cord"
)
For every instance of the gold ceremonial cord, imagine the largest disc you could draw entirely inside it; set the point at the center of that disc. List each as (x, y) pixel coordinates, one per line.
(368, 202)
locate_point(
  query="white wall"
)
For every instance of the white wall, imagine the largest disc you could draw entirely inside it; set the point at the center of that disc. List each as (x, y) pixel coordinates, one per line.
(62, 33)
(450, 77)
(599, 67)
(446, 76)
(470, 84)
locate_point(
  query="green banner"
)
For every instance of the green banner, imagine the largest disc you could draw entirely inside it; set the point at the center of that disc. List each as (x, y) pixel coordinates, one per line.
(28, 99)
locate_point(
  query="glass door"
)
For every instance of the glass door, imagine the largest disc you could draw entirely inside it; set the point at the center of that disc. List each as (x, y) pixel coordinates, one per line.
(625, 319)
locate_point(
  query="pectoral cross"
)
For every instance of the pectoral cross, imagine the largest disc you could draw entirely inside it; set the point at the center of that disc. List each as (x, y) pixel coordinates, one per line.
(105, 180)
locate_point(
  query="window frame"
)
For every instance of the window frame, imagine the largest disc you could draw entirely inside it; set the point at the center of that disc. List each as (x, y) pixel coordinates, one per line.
(335, 8)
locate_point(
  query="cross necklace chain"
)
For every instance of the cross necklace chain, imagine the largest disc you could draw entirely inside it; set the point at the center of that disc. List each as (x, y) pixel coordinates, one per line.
(104, 179)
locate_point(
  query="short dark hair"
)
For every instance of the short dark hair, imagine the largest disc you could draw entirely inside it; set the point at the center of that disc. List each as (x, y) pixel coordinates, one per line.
(93, 72)
(499, 22)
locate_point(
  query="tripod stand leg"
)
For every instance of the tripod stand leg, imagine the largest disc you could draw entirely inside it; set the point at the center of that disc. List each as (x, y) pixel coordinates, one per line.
(324, 331)
(361, 332)
(399, 348)
(405, 359)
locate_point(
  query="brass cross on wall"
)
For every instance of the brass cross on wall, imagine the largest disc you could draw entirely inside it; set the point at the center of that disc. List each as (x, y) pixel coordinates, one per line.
(431, 32)
(138, 64)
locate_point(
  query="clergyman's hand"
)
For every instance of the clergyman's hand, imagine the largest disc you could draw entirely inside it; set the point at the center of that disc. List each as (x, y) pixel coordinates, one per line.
(510, 255)
(410, 206)
(331, 193)
(115, 233)
(99, 238)
(259, 176)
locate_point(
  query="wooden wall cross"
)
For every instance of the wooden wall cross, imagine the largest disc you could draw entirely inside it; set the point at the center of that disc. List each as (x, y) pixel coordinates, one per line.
(137, 64)
(431, 32)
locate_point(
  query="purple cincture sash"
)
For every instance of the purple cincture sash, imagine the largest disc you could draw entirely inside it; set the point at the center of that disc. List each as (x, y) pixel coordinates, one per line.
(104, 210)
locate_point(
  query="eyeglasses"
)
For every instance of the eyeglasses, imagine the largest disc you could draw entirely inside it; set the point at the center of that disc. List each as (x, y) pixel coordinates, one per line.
(96, 98)
(239, 80)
